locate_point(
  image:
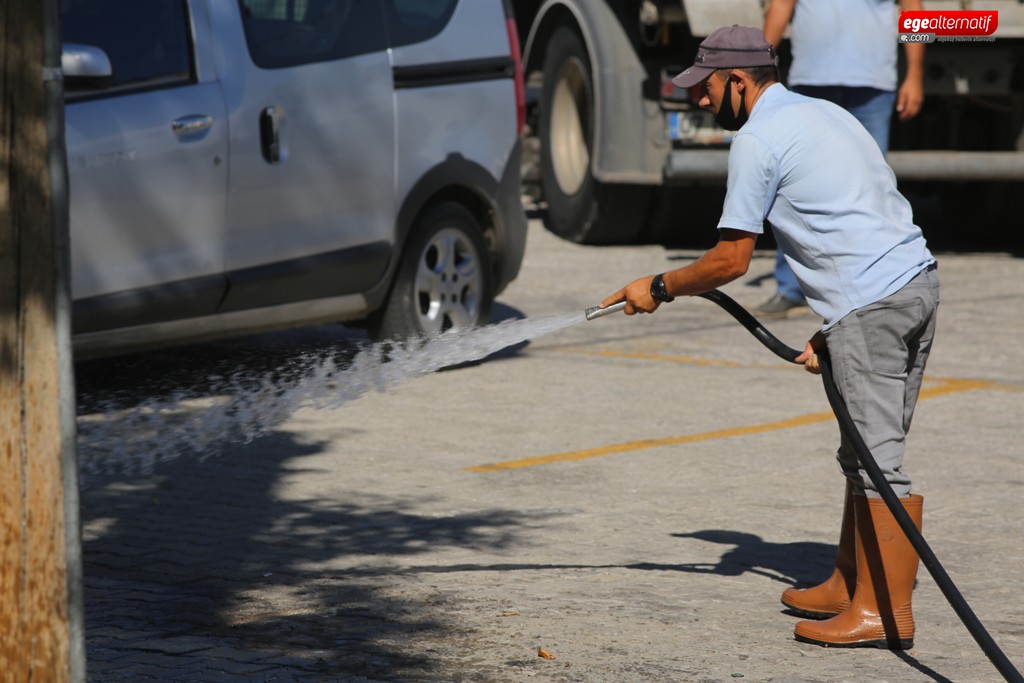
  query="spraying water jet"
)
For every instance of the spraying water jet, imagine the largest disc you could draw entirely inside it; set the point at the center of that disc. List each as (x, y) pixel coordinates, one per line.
(239, 407)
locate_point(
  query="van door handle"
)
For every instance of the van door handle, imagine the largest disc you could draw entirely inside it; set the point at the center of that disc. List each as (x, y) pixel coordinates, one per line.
(190, 125)
(270, 134)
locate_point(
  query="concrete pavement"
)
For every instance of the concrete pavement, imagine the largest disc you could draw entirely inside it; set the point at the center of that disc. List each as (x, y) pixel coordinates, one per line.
(629, 495)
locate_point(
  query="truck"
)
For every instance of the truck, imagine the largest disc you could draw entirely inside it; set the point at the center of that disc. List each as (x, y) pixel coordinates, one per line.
(617, 150)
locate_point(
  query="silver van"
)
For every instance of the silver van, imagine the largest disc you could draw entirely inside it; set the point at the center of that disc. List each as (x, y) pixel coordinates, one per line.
(240, 165)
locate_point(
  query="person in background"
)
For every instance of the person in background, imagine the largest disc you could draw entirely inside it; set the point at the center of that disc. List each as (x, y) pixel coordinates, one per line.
(844, 51)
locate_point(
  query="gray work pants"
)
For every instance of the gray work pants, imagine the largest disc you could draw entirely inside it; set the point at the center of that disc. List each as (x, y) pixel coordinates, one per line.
(878, 357)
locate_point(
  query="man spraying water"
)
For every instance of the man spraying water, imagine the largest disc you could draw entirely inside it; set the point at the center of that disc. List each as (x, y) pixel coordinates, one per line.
(814, 172)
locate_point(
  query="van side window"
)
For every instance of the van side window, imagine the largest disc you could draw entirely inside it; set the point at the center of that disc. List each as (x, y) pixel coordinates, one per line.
(148, 43)
(413, 21)
(283, 33)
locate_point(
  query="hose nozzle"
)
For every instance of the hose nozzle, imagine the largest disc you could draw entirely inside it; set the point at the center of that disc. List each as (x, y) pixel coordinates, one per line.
(597, 311)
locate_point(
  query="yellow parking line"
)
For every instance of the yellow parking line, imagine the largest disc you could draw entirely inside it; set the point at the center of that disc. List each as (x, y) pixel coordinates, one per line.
(948, 386)
(651, 443)
(641, 355)
(953, 386)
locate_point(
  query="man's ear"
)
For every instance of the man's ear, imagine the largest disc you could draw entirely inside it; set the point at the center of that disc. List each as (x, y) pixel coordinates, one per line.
(739, 80)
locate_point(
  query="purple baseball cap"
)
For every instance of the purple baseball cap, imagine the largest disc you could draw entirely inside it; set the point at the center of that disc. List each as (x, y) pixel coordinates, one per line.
(728, 47)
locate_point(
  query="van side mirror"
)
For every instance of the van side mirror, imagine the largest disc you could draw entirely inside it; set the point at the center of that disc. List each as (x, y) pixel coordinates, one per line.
(85, 68)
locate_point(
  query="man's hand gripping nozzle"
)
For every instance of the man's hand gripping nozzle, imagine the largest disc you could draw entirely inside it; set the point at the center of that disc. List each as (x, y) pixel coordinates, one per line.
(597, 311)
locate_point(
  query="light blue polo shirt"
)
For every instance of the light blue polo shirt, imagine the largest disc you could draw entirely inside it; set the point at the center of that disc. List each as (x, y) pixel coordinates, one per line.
(819, 178)
(844, 42)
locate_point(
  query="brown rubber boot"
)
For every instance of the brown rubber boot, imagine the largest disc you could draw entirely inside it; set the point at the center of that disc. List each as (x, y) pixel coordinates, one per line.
(879, 614)
(831, 597)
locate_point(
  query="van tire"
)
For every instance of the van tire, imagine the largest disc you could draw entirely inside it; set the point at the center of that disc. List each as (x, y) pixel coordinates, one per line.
(444, 281)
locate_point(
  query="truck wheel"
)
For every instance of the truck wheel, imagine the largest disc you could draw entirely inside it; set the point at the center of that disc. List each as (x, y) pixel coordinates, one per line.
(444, 280)
(580, 208)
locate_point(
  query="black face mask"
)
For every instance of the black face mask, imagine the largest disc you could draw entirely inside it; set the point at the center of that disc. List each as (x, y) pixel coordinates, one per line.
(726, 117)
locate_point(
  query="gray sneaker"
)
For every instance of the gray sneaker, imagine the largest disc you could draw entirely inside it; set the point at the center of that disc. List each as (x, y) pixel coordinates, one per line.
(780, 307)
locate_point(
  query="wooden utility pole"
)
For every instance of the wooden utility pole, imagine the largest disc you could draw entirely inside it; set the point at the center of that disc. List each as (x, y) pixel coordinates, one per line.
(40, 562)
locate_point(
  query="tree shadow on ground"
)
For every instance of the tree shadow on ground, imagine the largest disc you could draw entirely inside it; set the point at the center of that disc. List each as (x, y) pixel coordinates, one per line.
(203, 569)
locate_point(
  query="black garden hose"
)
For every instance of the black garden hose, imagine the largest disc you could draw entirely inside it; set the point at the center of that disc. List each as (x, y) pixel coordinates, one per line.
(867, 460)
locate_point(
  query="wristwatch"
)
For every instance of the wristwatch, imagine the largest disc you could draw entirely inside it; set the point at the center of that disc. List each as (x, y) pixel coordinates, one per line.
(658, 291)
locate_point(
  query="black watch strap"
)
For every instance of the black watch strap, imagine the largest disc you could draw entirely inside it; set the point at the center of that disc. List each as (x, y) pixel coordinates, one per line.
(658, 290)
